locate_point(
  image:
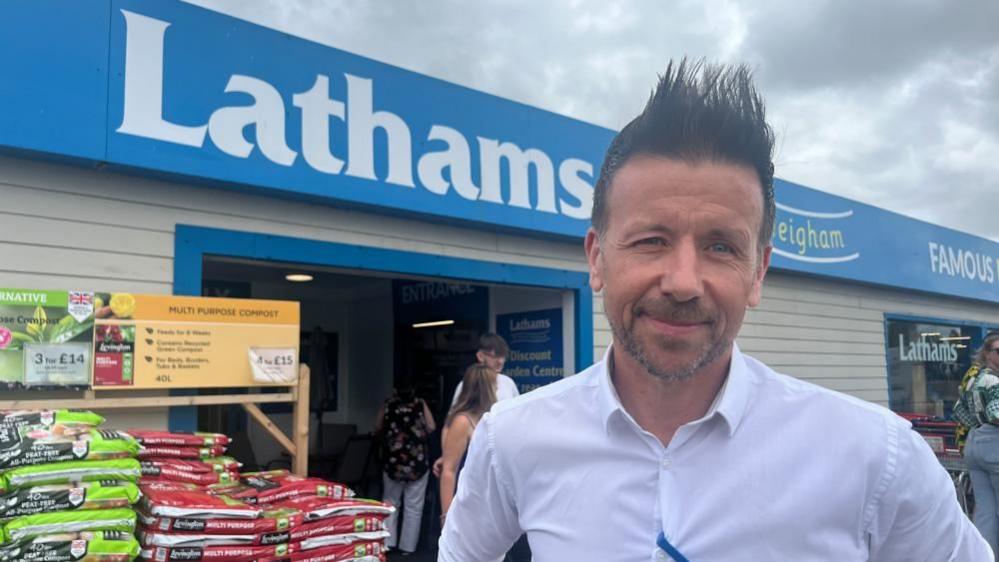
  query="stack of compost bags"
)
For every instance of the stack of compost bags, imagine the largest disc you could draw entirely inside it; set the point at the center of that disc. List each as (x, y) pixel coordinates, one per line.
(270, 516)
(66, 488)
(194, 458)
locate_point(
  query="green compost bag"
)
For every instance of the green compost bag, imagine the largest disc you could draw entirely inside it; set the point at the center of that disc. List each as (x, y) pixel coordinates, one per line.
(34, 446)
(127, 470)
(31, 526)
(68, 419)
(101, 546)
(67, 497)
(65, 423)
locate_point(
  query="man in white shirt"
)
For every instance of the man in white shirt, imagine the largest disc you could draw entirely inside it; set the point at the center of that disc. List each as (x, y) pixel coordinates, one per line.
(676, 445)
(493, 351)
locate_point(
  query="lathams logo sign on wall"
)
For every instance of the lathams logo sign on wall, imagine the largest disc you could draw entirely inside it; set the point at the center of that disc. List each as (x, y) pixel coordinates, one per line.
(338, 133)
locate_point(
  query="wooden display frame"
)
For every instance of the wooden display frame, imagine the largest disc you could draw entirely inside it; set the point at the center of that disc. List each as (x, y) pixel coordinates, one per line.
(298, 395)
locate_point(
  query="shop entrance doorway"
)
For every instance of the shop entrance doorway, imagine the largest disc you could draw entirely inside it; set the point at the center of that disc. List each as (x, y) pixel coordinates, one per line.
(353, 298)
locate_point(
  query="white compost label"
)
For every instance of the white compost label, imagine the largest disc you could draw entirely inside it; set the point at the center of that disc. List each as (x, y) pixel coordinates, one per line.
(276, 365)
(60, 364)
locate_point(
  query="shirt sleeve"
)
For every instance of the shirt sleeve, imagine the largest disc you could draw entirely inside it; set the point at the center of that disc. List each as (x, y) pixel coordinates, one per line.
(514, 391)
(918, 517)
(482, 522)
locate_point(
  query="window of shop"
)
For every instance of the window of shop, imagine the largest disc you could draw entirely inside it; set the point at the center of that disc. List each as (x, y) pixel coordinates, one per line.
(926, 360)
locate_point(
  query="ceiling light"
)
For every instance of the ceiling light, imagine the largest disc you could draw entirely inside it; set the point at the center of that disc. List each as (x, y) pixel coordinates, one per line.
(434, 323)
(956, 338)
(930, 334)
(298, 277)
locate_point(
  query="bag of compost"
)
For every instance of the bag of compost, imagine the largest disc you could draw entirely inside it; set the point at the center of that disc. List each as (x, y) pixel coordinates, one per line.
(127, 470)
(59, 422)
(171, 452)
(31, 526)
(338, 525)
(213, 464)
(168, 499)
(101, 546)
(67, 497)
(245, 553)
(322, 508)
(271, 521)
(151, 438)
(373, 551)
(278, 485)
(36, 445)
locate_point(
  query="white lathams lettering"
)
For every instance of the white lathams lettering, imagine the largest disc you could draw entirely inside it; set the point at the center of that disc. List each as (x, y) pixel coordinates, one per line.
(438, 170)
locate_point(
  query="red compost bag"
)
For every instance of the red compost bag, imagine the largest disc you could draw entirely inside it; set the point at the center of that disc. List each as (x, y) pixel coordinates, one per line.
(215, 464)
(322, 508)
(153, 474)
(234, 490)
(357, 552)
(172, 452)
(338, 525)
(279, 485)
(178, 439)
(174, 499)
(269, 522)
(247, 553)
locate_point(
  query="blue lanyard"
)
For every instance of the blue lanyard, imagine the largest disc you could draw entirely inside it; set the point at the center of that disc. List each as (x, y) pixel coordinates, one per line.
(670, 549)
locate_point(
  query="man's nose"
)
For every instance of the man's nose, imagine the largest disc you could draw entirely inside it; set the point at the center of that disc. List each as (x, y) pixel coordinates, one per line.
(681, 275)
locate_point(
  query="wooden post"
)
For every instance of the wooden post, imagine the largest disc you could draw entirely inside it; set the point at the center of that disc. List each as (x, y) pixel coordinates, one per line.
(271, 428)
(300, 429)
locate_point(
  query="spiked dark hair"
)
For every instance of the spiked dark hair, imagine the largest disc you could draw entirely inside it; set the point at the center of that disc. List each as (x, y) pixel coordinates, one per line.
(698, 112)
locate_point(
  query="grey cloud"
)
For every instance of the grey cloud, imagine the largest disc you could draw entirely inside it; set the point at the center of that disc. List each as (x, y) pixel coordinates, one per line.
(894, 103)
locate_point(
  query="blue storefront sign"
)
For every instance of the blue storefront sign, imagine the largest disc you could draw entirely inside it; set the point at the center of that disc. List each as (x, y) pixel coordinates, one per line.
(823, 234)
(536, 352)
(168, 88)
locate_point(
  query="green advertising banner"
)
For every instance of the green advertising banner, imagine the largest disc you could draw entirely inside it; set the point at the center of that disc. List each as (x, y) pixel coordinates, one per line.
(46, 337)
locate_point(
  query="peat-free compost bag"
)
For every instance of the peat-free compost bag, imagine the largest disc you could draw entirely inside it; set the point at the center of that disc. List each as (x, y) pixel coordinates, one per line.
(127, 470)
(32, 446)
(67, 497)
(59, 422)
(101, 546)
(31, 526)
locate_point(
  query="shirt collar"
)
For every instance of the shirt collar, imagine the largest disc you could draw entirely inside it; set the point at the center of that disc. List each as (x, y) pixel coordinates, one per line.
(730, 403)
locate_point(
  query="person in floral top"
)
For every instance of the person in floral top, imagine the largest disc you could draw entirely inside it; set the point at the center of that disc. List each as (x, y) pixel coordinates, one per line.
(404, 423)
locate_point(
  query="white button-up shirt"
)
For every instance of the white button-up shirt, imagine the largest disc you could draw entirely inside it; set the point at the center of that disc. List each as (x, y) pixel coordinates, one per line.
(505, 389)
(778, 469)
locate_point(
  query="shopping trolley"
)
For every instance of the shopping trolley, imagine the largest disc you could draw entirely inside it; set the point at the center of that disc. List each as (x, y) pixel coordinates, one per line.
(940, 435)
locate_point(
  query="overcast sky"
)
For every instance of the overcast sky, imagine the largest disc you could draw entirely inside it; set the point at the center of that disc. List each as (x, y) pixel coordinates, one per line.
(893, 103)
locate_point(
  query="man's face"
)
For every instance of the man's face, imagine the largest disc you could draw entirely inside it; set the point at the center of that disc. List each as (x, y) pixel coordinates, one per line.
(992, 355)
(679, 261)
(491, 360)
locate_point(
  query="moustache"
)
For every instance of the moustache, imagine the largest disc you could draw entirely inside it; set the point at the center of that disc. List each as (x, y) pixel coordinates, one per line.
(665, 310)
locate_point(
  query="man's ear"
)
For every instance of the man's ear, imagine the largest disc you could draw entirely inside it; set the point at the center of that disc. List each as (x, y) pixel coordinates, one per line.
(480, 357)
(756, 291)
(592, 246)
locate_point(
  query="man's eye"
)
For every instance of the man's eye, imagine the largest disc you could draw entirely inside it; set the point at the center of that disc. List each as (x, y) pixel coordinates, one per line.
(721, 247)
(651, 242)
